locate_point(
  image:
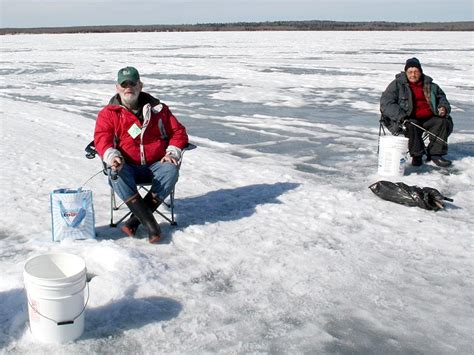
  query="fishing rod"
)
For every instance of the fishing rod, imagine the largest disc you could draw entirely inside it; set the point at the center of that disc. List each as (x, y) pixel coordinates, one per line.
(428, 132)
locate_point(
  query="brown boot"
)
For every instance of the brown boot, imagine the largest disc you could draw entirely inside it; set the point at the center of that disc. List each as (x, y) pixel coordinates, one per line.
(417, 160)
(140, 209)
(131, 225)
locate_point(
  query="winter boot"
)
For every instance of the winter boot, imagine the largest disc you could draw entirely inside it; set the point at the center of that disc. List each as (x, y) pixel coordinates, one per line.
(417, 160)
(440, 161)
(131, 225)
(139, 208)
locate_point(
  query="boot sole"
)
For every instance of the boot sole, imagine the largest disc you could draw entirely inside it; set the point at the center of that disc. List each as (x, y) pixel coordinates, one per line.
(128, 231)
(442, 164)
(154, 239)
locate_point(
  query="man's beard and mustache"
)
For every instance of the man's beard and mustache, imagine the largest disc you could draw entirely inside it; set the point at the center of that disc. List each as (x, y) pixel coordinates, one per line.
(130, 100)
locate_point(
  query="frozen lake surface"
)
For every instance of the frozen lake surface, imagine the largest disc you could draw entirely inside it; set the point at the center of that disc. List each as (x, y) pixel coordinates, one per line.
(281, 247)
(290, 94)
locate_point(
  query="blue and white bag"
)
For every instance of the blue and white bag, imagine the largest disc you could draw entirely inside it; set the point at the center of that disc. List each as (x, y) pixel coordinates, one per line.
(72, 214)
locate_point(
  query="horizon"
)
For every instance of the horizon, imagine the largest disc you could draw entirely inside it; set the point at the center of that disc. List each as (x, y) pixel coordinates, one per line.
(77, 13)
(238, 23)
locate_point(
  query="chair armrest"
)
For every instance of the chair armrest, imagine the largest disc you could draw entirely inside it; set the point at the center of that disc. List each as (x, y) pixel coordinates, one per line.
(190, 146)
(90, 150)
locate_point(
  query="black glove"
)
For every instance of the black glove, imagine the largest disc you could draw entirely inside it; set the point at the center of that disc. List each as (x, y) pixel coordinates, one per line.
(112, 173)
(433, 199)
(429, 198)
(404, 122)
(397, 127)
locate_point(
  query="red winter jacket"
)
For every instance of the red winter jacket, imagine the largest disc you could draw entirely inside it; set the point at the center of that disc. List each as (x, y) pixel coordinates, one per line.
(140, 143)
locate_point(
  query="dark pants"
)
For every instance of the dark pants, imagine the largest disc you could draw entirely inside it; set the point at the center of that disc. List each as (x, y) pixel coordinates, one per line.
(441, 127)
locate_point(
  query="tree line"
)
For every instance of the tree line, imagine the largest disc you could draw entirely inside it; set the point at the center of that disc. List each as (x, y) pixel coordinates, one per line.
(258, 26)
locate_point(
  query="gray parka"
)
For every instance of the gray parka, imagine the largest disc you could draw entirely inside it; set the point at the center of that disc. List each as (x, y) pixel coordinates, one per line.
(396, 102)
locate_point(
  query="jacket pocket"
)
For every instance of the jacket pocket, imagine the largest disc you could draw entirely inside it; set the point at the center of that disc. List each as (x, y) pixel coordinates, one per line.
(404, 103)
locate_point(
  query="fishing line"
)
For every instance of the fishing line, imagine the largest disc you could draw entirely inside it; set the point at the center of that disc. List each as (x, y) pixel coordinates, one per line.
(93, 176)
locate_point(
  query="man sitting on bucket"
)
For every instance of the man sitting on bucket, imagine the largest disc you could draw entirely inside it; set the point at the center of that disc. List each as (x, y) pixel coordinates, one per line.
(140, 140)
(413, 101)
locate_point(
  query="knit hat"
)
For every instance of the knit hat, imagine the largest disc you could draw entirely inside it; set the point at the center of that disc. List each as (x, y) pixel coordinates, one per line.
(413, 62)
(128, 74)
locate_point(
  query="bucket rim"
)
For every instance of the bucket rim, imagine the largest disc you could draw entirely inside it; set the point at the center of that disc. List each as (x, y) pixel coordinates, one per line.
(387, 137)
(34, 278)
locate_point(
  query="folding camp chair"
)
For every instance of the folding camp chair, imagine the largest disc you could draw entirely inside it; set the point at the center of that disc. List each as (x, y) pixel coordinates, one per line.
(116, 205)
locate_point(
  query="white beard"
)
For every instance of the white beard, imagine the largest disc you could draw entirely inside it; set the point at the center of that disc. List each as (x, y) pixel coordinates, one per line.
(130, 100)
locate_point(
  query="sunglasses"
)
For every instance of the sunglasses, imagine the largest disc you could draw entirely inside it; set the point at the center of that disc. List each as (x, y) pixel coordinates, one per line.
(129, 84)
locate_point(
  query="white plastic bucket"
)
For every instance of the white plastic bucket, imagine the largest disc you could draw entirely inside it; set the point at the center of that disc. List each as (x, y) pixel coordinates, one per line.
(392, 155)
(55, 286)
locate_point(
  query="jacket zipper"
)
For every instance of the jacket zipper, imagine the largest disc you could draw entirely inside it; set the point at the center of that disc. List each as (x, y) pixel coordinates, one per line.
(146, 120)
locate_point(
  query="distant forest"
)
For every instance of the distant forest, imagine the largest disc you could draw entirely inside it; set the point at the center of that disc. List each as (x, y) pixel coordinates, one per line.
(258, 26)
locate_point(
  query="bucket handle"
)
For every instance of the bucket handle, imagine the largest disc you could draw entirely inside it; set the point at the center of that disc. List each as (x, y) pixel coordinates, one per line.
(67, 321)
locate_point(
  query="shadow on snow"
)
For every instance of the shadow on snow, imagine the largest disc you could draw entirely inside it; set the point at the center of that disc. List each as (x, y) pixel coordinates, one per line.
(214, 206)
(13, 315)
(229, 204)
(128, 313)
(100, 322)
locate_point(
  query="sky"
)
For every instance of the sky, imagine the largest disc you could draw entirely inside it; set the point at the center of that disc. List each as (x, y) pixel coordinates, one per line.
(51, 13)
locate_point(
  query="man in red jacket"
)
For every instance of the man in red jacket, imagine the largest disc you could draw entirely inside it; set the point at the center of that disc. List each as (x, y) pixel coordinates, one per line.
(140, 140)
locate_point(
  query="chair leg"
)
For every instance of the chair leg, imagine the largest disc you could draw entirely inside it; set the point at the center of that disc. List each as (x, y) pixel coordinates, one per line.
(169, 205)
(116, 223)
(173, 222)
(112, 207)
(381, 129)
(115, 207)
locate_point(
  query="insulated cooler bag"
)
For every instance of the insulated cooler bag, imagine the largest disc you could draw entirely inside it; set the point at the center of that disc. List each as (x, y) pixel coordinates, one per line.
(72, 214)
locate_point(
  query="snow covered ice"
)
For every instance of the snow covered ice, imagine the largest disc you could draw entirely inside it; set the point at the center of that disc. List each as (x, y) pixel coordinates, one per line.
(280, 246)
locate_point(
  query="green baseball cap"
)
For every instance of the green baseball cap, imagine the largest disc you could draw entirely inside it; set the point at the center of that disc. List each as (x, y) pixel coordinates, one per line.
(128, 73)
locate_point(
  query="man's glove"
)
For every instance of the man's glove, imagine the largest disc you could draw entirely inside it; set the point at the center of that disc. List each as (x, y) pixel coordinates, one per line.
(432, 199)
(397, 128)
(442, 112)
(404, 122)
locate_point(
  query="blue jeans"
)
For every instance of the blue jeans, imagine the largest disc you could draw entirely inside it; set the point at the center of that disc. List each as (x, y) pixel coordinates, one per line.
(162, 176)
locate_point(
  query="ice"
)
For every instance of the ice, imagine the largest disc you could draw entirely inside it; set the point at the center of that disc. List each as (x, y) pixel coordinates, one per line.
(280, 245)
